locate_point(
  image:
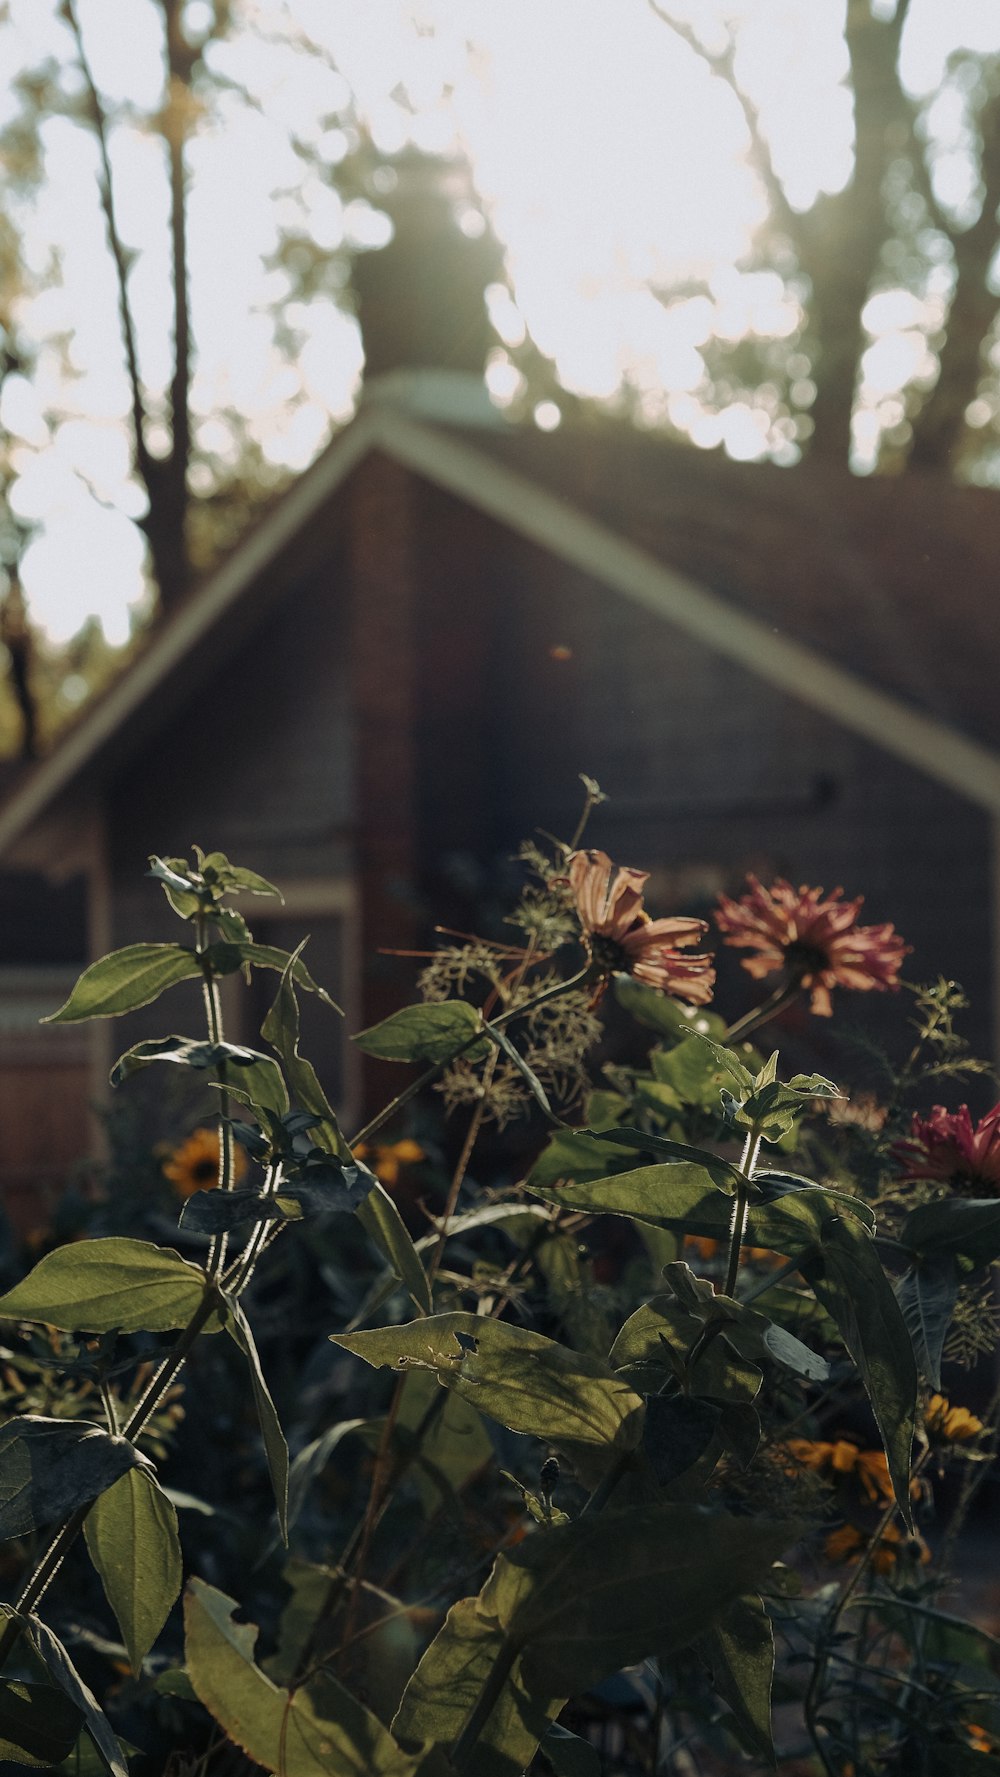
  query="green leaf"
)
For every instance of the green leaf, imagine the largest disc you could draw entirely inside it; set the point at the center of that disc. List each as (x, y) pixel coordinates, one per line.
(281, 1029)
(615, 1587)
(258, 1075)
(233, 879)
(229, 957)
(446, 1686)
(50, 1466)
(739, 1649)
(723, 1173)
(793, 1354)
(519, 1220)
(276, 1449)
(968, 1227)
(383, 1223)
(926, 1295)
(731, 1063)
(851, 1285)
(779, 1182)
(683, 1197)
(131, 1534)
(312, 1459)
(324, 1189)
(658, 1012)
(435, 1033)
(568, 1755)
(317, 1730)
(677, 1434)
(38, 1725)
(125, 980)
(112, 1285)
(518, 1377)
(453, 1447)
(578, 1156)
(655, 1342)
(86, 1761)
(60, 1667)
(694, 1074)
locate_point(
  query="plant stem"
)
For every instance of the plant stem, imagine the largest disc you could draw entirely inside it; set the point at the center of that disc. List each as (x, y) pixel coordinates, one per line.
(737, 1227)
(762, 1014)
(458, 1176)
(213, 1017)
(239, 1276)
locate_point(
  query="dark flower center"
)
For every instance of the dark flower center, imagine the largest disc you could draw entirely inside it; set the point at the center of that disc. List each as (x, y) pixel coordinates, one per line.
(608, 954)
(205, 1170)
(805, 959)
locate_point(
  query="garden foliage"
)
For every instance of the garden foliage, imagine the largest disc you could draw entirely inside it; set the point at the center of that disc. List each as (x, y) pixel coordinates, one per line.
(643, 1429)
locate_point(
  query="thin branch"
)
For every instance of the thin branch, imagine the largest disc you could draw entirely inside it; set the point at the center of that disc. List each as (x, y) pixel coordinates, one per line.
(143, 460)
(723, 64)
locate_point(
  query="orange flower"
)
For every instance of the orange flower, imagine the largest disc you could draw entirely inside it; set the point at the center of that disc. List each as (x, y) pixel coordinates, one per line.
(194, 1166)
(945, 1424)
(869, 1467)
(387, 1158)
(706, 1248)
(849, 1544)
(622, 938)
(818, 941)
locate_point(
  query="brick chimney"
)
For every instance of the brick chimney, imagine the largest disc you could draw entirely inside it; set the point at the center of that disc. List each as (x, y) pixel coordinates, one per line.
(421, 299)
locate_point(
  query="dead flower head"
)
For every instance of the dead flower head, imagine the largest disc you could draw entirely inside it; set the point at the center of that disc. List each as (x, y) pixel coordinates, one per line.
(815, 937)
(622, 938)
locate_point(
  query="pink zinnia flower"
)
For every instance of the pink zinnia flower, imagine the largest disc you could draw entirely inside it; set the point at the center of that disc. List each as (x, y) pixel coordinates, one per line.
(945, 1149)
(818, 941)
(621, 936)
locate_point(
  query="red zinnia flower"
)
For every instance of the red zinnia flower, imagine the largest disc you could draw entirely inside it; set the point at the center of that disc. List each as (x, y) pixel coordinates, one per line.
(819, 941)
(947, 1150)
(621, 936)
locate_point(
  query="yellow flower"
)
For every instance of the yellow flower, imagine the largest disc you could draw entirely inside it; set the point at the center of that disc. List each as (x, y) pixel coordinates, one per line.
(849, 1544)
(386, 1159)
(945, 1424)
(194, 1166)
(869, 1467)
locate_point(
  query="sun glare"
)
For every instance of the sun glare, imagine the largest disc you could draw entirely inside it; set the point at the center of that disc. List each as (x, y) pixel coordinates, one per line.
(613, 166)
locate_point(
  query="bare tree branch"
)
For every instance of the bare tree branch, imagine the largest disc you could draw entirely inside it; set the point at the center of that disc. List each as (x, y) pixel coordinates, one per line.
(723, 64)
(143, 460)
(180, 65)
(940, 424)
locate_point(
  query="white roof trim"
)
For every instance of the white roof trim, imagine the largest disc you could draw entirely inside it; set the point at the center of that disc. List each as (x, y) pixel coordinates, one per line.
(558, 525)
(193, 620)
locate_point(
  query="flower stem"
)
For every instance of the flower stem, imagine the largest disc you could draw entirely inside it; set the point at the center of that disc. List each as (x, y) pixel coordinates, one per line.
(213, 1018)
(781, 997)
(737, 1227)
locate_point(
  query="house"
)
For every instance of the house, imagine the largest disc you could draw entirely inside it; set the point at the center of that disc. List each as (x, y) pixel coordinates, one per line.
(405, 666)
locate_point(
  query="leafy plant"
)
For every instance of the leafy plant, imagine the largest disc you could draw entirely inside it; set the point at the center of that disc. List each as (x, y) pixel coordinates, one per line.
(568, 1453)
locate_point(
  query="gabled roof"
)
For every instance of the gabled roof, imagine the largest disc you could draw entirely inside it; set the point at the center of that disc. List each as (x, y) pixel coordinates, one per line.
(871, 600)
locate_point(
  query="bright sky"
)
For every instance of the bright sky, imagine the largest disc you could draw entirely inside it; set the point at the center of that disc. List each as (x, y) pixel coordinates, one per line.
(610, 162)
